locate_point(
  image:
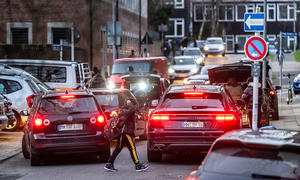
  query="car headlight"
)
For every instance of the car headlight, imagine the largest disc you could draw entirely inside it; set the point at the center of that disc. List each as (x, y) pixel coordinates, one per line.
(221, 48)
(199, 60)
(171, 70)
(194, 70)
(185, 81)
(142, 85)
(111, 85)
(206, 48)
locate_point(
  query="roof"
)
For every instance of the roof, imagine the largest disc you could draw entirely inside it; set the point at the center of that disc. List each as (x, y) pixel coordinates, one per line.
(54, 93)
(109, 91)
(140, 75)
(141, 59)
(276, 138)
(201, 88)
(37, 61)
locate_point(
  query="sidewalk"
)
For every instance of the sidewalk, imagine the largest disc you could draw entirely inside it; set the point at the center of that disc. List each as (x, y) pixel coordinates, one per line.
(10, 144)
(289, 115)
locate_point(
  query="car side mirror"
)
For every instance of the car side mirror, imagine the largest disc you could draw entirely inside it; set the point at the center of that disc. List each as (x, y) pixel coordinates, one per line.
(240, 103)
(154, 103)
(24, 113)
(277, 88)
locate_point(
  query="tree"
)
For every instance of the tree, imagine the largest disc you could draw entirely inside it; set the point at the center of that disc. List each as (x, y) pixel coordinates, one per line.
(158, 14)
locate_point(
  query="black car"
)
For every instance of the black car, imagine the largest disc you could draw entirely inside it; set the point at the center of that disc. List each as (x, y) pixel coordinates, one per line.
(190, 118)
(111, 100)
(246, 154)
(65, 122)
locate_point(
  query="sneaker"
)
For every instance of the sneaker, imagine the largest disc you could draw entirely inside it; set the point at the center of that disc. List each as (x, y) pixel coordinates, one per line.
(141, 167)
(110, 167)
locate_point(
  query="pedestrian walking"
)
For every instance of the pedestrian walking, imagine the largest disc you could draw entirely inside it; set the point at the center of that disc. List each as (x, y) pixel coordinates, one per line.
(127, 126)
(98, 81)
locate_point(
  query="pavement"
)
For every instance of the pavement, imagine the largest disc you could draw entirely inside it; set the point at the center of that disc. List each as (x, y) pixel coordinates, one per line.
(10, 144)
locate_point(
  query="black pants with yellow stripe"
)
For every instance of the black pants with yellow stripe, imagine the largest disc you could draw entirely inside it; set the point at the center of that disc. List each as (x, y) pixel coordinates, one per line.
(129, 141)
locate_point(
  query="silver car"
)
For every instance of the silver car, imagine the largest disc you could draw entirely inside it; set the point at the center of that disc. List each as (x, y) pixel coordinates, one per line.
(214, 46)
(201, 78)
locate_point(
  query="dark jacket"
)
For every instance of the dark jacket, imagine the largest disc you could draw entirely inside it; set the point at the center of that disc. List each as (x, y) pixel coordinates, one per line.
(127, 119)
(248, 98)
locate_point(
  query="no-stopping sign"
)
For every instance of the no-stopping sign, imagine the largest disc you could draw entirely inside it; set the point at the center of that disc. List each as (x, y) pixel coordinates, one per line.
(256, 48)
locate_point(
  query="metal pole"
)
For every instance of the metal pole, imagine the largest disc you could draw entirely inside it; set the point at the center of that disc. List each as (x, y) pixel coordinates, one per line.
(140, 27)
(146, 55)
(265, 37)
(114, 28)
(72, 43)
(294, 25)
(280, 63)
(61, 50)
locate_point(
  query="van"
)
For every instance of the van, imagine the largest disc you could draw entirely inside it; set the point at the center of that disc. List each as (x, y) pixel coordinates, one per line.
(60, 75)
(153, 65)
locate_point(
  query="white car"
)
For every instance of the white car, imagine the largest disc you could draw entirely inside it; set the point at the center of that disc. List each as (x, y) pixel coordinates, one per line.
(202, 77)
(196, 53)
(214, 46)
(20, 88)
(183, 66)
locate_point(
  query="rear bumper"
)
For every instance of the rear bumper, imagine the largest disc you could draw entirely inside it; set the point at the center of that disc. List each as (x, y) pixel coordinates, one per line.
(41, 144)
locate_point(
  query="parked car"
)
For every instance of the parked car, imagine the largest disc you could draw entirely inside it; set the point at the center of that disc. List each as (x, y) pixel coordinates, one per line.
(65, 122)
(183, 66)
(213, 46)
(248, 155)
(202, 77)
(3, 117)
(296, 84)
(196, 53)
(20, 88)
(61, 75)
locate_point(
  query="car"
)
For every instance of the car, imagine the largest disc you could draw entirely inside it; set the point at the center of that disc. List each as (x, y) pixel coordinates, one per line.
(3, 117)
(214, 46)
(181, 67)
(246, 154)
(189, 118)
(19, 87)
(202, 77)
(199, 43)
(296, 84)
(196, 53)
(61, 75)
(111, 101)
(241, 71)
(65, 122)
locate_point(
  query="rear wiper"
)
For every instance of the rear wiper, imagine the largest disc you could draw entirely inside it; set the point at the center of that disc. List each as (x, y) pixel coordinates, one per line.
(265, 176)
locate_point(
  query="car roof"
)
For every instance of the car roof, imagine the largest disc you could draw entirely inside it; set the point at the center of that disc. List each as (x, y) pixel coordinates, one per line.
(192, 48)
(55, 93)
(195, 88)
(263, 138)
(37, 61)
(141, 59)
(108, 91)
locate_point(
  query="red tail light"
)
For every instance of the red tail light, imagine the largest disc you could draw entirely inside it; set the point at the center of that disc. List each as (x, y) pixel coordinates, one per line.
(192, 178)
(38, 122)
(272, 93)
(225, 117)
(193, 93)
(160, 117)
(114, 113)
(29, 100)
(99, 119)
(67, 97)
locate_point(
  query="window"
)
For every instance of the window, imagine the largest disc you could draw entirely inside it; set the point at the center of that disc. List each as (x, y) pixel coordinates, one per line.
(19, 33)
(285, 12)
(271, 12)
(3, 89)
(57, 31)
(226, 13)
(199, 15)
(176, 27)
(13, 86)
(271, 38)
(242, 9)
(261, 7)
(229, 39)
(179, 4)
(241, 40)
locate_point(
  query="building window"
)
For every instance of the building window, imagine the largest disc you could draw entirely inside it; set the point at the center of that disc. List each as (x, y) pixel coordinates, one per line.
(242, 9)
(261, 7)
(176, 27)
(57, 31)
(241, 40)
(271, 37)
(226, 13)
(229, 39)
(179, 4)
(285, 12)
(202, 12)
(271, 12)
(19, 33)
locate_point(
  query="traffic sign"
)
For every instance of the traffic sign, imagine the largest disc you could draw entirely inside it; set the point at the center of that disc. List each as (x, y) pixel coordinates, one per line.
(256, 48)
(289, 34)
(254, 22)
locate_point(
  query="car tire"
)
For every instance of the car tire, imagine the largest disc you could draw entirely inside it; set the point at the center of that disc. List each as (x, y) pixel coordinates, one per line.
(24, 149)
(154, 156)
(16, 124)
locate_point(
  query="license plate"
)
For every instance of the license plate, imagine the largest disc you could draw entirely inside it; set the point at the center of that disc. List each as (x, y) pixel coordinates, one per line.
(69, 127)
(193, 124)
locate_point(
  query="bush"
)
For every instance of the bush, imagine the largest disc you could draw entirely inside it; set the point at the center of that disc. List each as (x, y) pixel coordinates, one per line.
(297, 56)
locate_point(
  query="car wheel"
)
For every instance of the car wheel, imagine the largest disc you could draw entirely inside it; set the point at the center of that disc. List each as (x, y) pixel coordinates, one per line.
(14, 125)
(24, 149)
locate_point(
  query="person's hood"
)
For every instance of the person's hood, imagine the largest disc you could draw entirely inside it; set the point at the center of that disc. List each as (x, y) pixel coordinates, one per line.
(183, 67)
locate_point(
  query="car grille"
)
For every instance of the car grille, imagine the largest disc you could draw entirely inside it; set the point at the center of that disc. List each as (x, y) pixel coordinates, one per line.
(182, 71)
(213, 49)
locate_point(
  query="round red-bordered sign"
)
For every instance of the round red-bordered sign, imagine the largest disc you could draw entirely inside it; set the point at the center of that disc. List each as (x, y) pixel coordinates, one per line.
(256, 48)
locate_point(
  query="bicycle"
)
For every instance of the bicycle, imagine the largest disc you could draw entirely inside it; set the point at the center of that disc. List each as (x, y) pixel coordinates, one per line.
(289, 99)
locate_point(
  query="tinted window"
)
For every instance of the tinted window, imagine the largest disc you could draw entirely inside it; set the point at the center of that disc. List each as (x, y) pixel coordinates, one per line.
(250, 161)
(13, 86)
(3, 89)
(108, 100)
(66, 106)
(184, 61)
(138, 67)
(206, 102)
(189, 52)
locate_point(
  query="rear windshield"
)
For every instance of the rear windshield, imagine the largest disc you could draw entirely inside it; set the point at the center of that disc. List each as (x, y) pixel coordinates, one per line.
(190, 52)
(58, 105)
(205, 102)
(138, 67)
(108, 100)
(46, 73)
(253, 162)
(184, 61)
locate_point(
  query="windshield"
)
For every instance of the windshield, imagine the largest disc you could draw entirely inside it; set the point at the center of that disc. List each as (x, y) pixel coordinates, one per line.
(184, 61)
(138, 67)
(108, 100)
(191, 52)
(253, 161)
(65, 106)
(214, 41)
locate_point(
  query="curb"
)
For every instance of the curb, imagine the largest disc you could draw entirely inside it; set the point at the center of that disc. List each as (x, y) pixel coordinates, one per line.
(10, 155)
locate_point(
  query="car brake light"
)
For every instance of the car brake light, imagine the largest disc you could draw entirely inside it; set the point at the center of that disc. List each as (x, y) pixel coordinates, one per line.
(30, 100)
(67, 96)
(272, 93)
(114, 113)
(225, 117)
(158, 117)
(38, 122)
(100, 119)
(193, 93)
(97, 119)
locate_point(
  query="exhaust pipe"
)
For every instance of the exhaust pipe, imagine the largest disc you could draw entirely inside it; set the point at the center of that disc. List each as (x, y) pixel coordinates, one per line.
(161, 148)
(156, 148)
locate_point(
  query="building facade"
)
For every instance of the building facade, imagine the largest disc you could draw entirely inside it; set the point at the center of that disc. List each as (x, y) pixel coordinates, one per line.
(29, 29)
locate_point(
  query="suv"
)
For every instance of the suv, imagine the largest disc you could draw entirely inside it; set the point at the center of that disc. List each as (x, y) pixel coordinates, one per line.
(190, 118)
(65, 123)
(19, 87)
(213, 46)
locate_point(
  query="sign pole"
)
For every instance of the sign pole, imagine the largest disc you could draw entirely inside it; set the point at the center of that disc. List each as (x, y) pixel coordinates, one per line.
(255, 95)
(280, 63)
(61, 50)
(114, 29)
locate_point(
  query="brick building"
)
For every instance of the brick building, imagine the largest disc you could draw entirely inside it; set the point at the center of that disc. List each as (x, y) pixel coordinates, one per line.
(28, 29)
